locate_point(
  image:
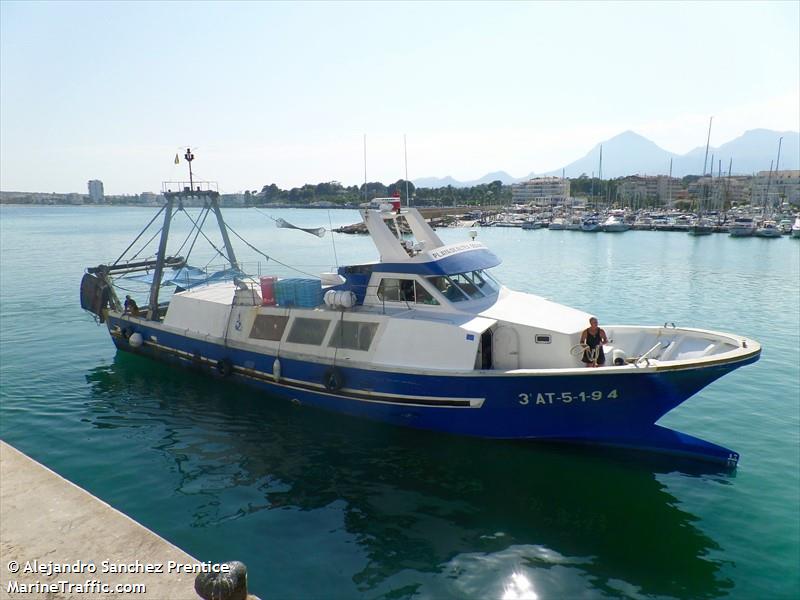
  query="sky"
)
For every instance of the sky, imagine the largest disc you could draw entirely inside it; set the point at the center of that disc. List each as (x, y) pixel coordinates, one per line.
(284, 93)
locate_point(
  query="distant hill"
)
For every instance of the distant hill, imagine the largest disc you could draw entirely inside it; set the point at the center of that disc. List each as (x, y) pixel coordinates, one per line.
(630, 153)
(751, 152)
(438, 182)
(624, 154)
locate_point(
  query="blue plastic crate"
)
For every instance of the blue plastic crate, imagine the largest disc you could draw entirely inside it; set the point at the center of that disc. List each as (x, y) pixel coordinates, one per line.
(295, 291)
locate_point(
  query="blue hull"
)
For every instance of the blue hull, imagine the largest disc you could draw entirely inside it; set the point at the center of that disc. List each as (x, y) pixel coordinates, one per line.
(603, 407)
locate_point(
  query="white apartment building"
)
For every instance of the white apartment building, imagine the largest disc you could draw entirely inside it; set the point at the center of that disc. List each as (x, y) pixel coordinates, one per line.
(96, 190)
(657, 189)
(722, 191)
(773, 189)
(542, 191)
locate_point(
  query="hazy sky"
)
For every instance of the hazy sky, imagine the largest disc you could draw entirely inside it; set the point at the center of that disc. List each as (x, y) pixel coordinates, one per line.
(284, 92)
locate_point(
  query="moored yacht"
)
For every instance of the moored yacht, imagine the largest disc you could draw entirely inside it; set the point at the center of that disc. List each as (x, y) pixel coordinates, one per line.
(768, 229)
(702, 226)
(615, 224)
(424, 336)
(591, 225)
(743, 227)
(796, 228)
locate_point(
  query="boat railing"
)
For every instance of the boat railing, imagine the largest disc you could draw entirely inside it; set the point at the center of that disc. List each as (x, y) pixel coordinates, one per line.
(189, 187)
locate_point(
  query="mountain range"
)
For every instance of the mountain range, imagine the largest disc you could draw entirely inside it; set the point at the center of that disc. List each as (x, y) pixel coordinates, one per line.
(630, 153)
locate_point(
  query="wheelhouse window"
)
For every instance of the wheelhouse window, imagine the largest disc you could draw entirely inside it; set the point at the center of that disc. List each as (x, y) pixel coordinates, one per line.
(268, 327)
(471, 285)
(353, 335)
(308, 331)
(423, 296)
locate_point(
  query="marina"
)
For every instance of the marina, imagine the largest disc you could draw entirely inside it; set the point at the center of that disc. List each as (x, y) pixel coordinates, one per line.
(212, 467)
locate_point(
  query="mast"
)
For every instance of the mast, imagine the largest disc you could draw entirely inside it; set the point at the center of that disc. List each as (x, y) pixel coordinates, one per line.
(365, 168)
(669, 185)
(212, 197)
(405, 155)
(189, 158)
(769, 180)
(705, 165)
(777, 162)
(708, 141)
(600, 171)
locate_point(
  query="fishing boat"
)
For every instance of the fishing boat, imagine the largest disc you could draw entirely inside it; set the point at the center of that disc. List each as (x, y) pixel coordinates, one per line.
(424, 336)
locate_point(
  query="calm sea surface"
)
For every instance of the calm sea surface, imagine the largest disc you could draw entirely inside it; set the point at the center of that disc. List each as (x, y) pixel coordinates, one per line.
(323, 506)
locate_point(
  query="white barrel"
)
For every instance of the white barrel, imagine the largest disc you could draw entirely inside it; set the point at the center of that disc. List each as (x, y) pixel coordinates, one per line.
(339, 299)
(136, 340)
(618, 357)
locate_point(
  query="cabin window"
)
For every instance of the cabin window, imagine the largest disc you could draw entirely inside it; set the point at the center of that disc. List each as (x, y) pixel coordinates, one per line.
(471, 285)
(467, 285)
(308, 331)
(396, 290)
(542, 339)
(268, 327)
(448, 289)
(353, 335)
(423, 296)
(487, 284)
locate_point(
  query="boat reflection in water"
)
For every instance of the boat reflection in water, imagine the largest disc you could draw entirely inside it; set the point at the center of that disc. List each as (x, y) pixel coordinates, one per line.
(311, 501)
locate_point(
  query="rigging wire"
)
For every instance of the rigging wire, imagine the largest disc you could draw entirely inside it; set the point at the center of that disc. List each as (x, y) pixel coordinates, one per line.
(268, 257)
(191, 231)
(140, 235)
(204, 214)
(333, 241)
(147, 243)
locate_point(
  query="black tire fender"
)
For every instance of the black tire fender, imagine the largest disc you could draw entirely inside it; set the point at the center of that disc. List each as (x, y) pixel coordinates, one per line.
(333, 379)
(224, 367)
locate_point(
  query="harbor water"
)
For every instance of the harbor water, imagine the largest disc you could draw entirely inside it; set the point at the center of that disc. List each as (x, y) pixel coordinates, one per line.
(324, 506)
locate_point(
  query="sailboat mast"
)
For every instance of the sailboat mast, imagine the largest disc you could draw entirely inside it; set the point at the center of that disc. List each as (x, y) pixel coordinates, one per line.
(669, 185)
(769, 180)
(405, 155)
(600, 172)
(365, 168)
(708, 141)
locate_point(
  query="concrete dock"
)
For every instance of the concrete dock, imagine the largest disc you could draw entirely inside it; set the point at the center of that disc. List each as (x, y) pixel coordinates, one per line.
(48, 524)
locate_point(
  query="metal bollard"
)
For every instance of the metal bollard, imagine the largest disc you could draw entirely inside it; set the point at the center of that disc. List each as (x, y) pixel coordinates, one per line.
(224, 586)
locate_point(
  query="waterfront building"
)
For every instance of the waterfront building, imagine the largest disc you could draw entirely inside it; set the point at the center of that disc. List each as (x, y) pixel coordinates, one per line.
(649, 190)
(150, 199)
(96, 194)
(542, 191)
(773, 189)
(725, 191)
